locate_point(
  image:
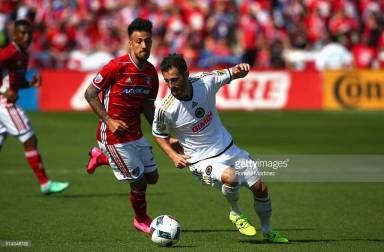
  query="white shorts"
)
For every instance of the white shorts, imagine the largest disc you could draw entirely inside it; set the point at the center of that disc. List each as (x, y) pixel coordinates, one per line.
(129, 161)
(209, 171)
(14, 121)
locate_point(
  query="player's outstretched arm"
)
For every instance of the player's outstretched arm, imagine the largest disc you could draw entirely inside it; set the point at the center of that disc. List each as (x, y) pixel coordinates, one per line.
(240, 70)
(91, 95)
(180, 160)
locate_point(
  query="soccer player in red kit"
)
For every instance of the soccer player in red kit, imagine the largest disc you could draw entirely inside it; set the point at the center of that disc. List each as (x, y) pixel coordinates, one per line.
(13, 65)
(129, 86)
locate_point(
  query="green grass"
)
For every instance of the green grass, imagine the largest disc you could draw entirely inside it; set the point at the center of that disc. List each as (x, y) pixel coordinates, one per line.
(95, 215)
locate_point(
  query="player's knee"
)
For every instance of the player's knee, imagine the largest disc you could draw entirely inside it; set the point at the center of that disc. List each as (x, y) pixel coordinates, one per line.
(31, 142)
(229, 178)
(260, 189)
(152, 178)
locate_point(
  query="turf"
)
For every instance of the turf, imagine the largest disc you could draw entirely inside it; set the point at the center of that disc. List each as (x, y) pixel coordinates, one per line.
(94, 214)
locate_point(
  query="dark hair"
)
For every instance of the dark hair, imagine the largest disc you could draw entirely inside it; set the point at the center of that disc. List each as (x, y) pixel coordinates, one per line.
(139, 24)
(22, 22)
(174, 60)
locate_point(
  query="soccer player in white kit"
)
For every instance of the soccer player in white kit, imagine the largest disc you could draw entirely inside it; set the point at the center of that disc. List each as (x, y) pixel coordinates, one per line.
(189, 113)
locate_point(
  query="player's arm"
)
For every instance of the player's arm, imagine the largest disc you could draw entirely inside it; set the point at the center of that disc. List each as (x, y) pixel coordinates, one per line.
(180, 160)
(149, 110)
(92, 97)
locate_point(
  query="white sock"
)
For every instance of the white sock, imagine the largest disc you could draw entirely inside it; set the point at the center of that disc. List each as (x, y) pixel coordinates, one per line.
(263, 208)
(232, 196)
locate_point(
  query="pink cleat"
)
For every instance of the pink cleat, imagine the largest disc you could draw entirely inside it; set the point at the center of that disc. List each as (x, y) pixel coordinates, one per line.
(94, 153)
(143, 226)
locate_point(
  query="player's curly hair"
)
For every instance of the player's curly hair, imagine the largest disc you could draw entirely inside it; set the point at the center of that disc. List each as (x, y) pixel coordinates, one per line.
(140, 24)
(174, 60)
(22, 22)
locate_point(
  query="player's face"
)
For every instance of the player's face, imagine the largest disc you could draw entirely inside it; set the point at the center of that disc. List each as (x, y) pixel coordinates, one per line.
(23, 36)
(176, 82)
(140, 43)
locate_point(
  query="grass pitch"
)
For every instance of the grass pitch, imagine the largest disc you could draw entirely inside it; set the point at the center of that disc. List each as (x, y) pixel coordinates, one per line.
(95, 215)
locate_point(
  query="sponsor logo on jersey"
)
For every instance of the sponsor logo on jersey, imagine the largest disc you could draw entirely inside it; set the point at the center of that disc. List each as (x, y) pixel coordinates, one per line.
(140, 91)
(148, 79)
(203, 123)
(199, 112)
(98, 79)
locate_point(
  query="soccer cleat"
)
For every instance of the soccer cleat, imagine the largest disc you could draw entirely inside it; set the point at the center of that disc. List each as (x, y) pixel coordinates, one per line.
(143, 226)
(94, 153)
(275, 237)
(242, 224)
(53, 187)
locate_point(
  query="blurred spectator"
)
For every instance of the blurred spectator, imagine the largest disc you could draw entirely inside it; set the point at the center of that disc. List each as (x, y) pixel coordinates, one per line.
(263, 33)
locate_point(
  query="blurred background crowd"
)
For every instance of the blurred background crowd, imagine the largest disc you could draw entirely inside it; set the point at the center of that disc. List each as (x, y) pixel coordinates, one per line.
(276, 34)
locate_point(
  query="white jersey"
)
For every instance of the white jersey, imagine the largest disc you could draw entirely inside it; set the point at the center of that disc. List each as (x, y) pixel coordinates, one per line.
(195, 123)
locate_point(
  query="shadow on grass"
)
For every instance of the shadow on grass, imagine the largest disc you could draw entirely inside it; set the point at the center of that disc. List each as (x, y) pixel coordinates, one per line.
(208, 230)
(234, 230)
(97, 195)
(309, 241)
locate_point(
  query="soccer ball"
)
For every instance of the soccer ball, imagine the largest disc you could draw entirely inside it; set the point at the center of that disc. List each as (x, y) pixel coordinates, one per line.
(165, 230)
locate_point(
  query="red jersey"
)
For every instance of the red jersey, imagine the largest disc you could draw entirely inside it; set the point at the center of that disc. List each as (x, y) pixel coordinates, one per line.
(125, 88)
(13, 64)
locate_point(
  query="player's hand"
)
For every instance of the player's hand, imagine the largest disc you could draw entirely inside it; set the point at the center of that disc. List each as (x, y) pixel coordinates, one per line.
(11, 95)
(118, 126)
(240, 70)
(36, 81)
(176, 146)
(180, 160)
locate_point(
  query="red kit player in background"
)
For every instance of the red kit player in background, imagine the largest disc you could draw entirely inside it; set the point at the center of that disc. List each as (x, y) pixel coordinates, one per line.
(129, 86)
(13, 65)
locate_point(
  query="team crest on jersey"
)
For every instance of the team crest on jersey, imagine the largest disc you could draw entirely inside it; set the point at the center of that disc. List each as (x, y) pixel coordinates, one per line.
(98, 79)
(208, 170)
(199, 112)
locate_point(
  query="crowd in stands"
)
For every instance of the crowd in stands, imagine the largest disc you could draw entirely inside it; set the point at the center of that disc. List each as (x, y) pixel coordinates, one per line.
(268, 34)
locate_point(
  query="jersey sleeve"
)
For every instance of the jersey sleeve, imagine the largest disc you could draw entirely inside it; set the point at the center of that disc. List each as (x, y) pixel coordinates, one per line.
(160, 125)
(6, 54)
(105, 76)
(215, 79)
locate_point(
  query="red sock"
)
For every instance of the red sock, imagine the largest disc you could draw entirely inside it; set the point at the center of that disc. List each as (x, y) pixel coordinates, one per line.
(139, 204)
(102, 159)
(34, 159)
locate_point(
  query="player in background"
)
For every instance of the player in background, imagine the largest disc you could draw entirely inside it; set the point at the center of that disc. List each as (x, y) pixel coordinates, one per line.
(129, 86)
(189, 112)
(13, 120)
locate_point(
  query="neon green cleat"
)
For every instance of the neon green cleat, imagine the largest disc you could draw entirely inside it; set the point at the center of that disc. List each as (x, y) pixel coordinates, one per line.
(275, 237)
(53, 187)
(242, 224)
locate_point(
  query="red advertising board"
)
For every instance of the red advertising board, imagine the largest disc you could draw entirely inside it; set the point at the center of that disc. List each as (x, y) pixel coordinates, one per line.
(260, 90)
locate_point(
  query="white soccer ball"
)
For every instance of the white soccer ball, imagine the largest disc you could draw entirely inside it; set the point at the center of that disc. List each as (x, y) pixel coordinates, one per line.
(165, 230)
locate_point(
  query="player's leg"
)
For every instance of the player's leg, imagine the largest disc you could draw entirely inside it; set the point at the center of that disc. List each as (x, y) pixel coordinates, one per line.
(263, 208)
(146, 156)
(3, 135)
(126, 165)
(138, 201)
(17, 123)
(33, 156)
(96, 159)
(231, 190)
